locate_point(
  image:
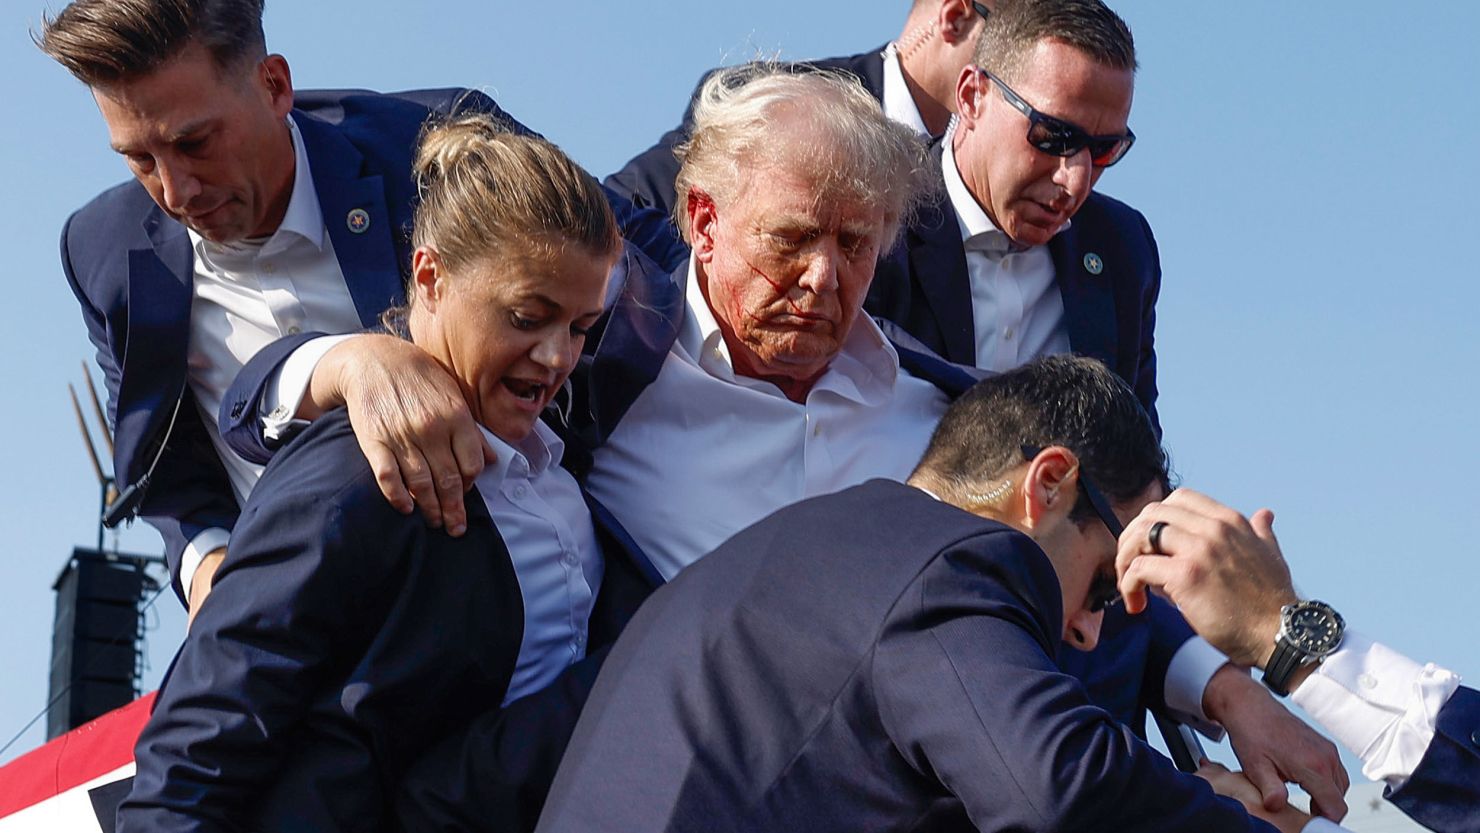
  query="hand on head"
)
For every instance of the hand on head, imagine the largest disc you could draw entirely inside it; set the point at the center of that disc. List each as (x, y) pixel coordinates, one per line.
(1224, 571)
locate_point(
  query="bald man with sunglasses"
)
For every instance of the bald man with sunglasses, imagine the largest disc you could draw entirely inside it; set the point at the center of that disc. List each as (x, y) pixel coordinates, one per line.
(1020, 258)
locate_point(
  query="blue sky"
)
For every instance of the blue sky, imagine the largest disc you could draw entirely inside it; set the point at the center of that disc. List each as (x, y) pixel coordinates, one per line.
(1305, 167)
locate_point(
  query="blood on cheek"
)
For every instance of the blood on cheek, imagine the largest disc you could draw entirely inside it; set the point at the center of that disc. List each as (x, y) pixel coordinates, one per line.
(775, 285)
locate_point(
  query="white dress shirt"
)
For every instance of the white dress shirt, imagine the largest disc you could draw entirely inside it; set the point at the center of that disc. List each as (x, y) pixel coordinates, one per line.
(899, 105)
(248, 295)
(547, 528)
(1016, 306)
(704, 453)
(1379, 704)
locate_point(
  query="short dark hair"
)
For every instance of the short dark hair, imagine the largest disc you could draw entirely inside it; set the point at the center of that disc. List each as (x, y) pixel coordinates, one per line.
(1070, 401)
(1087, 25)
(104, 41)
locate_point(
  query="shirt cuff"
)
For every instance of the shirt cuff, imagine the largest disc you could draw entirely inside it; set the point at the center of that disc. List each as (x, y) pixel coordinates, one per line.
(1188, 674)
(1319, 824)
(199, 547)
(1379, 704)
(287, 386)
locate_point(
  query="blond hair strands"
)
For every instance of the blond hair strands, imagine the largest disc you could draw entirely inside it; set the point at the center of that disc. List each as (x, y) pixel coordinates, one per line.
(485, 191)
(741, 121)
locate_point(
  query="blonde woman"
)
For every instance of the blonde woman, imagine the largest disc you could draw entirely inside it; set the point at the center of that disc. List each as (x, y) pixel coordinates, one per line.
(342, 637)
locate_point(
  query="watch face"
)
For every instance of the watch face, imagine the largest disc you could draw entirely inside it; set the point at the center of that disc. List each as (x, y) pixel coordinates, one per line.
(1316, 631)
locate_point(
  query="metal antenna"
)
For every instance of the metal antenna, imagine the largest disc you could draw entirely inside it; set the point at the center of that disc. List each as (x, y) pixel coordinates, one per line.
(92, 392)
(106, 490)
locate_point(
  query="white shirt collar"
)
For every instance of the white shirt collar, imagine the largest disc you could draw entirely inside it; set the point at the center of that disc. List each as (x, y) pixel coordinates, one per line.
(303, 218)
(977, 229)
(529, 458)
(899, 105)
(864, 370)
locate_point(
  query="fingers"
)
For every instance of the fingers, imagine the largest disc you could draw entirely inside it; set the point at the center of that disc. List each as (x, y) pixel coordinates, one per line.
(1326, 782)
(1271, 786)
(387, 471)
(1147, 571)
(1325, 799)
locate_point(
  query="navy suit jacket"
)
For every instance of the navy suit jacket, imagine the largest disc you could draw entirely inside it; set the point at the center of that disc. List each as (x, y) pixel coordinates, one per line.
(868, 660)
(647, 179)
(1444, 792)
(923, 285)
(131, 268)
(341, 640)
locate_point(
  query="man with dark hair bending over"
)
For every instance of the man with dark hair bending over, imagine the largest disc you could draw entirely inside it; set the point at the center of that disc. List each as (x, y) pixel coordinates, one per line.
(884, 657)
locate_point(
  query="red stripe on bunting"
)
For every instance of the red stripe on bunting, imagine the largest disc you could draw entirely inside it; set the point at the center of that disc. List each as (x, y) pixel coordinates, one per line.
(92, 749)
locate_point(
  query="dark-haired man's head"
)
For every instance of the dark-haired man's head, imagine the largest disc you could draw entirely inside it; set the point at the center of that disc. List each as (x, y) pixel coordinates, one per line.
(1037, 448)
(193, 102)
(1043, 111)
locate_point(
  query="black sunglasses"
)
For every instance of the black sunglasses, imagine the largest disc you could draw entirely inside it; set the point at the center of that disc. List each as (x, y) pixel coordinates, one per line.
(1103, 590)
(981, 10)
(1057, 137)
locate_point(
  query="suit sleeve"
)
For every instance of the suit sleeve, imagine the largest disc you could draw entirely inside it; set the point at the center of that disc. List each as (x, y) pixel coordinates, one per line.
(496, 774)
(1444, 791)
(291, 598)
(189, 491)
(239, 420)
(970, 696)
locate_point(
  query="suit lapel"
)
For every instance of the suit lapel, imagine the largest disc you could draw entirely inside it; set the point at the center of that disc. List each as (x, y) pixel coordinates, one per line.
(870, 69)
(160, 280)
(356, 217)
(634, 341)
(938, 269)
(1089, 299)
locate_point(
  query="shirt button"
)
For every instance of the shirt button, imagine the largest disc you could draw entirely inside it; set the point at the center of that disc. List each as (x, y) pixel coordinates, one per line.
(520, 492)
(1009, 333)
(269, 268)
(1367, 681)
(570, 557)
(816, 429)
(294, 330)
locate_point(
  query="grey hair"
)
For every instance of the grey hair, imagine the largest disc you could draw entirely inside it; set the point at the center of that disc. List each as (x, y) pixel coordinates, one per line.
(1016, 26)
(850, 146)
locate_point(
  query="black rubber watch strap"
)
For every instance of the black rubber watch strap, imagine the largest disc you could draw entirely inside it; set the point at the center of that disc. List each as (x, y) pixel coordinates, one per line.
(1282, 665)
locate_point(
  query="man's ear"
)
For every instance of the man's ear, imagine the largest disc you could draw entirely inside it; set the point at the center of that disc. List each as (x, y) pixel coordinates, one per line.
(277, 80)
(702, 219)
(957, 22)
(427, 281)
(1050, 486)
(971, 95)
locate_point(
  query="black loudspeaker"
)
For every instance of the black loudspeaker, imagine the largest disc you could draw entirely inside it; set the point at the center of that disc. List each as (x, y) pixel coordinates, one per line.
(97, 638)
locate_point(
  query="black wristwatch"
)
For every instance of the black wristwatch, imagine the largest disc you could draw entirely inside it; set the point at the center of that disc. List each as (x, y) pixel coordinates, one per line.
(1309, 632)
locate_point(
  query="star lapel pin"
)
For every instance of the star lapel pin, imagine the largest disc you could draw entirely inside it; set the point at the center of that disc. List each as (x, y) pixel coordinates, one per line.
(358, 221)
(1093, 264)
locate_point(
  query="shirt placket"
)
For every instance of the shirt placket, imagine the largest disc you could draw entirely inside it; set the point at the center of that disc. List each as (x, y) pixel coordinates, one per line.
(577, 592)
(1009, 314)
(279, 292)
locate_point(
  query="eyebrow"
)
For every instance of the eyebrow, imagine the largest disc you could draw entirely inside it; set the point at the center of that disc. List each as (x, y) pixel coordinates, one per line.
(551, 305)
(178, 136)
